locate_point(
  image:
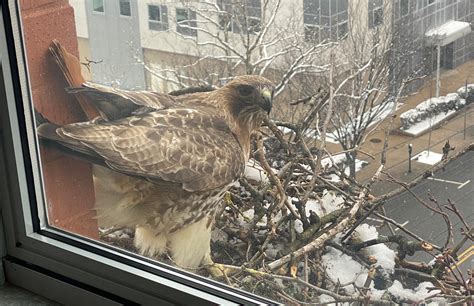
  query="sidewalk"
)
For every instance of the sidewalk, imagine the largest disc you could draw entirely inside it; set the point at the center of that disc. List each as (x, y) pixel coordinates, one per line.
(397, 152)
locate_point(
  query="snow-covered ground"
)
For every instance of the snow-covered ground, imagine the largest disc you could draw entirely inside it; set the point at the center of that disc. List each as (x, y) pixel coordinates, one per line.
(340, 159)
(428, 157)
(331, 137)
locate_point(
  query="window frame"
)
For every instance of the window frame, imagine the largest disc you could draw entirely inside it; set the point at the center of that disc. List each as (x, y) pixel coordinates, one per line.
(322, 32)
(99, 12)
(189, 23)
(164, 25)
(407, 2)
(227, 8)
(375, 7)
(90, 267)
(120, 9)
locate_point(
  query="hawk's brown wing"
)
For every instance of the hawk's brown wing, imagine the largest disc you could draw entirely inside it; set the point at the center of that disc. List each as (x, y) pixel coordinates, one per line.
(115, 104)
(189, 146)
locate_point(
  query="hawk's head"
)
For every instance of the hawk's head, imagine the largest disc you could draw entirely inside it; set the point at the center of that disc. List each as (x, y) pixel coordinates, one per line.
(248, 98)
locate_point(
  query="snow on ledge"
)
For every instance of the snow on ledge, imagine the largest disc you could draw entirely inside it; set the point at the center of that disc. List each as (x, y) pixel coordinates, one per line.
(421, 127)
(428, 157)
(448, 32)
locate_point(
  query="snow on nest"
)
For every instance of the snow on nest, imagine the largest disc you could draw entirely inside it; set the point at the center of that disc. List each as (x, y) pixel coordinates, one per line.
(418, 294)
(255, 172)
(341, 268)
(384, 255)
(329, 203)
(428, 157)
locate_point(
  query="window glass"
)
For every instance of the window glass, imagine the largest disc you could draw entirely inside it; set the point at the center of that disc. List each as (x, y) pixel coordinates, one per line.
(125, 9)
(226, 141)
(186, 22)
(330, 14)
(404, 7)
(375, 13)
(158, 17)
(98, 6)
(241, 14)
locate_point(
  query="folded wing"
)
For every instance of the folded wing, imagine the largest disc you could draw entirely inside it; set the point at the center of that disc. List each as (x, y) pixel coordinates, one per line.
(182, 145)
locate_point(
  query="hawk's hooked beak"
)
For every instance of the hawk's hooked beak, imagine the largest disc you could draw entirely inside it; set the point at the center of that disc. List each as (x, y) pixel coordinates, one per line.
(266, 100)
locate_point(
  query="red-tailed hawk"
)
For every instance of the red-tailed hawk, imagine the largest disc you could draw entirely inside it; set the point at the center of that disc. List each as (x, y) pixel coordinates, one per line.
(165, 160)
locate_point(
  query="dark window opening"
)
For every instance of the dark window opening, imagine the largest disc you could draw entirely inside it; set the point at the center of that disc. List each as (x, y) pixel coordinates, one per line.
(125, 8)
(325, 20)
(238, 15)
(375, 13)
(98, 6)
(186, 22)
(404, 7)
(158, 17)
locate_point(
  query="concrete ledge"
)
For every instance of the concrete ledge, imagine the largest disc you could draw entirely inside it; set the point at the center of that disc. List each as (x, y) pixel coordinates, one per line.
(436, 123)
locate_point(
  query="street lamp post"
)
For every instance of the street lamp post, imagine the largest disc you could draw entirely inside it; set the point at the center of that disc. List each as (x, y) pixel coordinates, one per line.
(465, 114)
(410, 150)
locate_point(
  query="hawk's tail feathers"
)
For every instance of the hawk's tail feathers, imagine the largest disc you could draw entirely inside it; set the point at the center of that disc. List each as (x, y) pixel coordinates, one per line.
(70, 66)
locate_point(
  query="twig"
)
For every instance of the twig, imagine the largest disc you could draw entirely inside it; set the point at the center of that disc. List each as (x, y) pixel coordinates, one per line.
(319, 242)
(88, 63)
(403, 229)
(275, 180)
(270, 276)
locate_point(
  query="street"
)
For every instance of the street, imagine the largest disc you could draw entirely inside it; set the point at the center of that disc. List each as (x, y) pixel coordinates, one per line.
(455, 183)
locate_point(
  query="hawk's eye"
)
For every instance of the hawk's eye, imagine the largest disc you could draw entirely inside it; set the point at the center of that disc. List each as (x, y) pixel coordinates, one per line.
(245, 90)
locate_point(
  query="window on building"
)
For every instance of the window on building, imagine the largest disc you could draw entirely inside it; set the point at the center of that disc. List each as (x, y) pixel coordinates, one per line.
(404, 7)
(325, 20)
(240, 15)
(421, 4)
(186, 21)
(158, 17)
(98, 6)
(375, 13)
(125, 8)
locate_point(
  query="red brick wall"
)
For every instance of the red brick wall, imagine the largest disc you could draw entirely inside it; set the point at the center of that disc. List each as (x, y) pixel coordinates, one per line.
(68, 182)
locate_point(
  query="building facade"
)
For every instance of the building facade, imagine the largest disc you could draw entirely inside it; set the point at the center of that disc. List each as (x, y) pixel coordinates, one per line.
(143, 43)
(109, 42)
(425, 24)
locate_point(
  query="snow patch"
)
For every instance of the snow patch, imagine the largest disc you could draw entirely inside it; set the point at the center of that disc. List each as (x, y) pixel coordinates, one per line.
(329, 202)
(384, 255)
(428, 157)
(421, 126)
(381, 111)
(418, 294)
(338, 160)
(341, 268)
(254, 171)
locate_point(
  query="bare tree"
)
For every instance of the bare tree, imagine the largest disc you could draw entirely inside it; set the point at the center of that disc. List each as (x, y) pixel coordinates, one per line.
(368, 84)
(225, 38)
(274, 236)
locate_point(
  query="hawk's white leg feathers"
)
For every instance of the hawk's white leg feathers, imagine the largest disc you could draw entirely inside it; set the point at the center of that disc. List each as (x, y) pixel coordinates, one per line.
(188, 246)
(148, 242)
